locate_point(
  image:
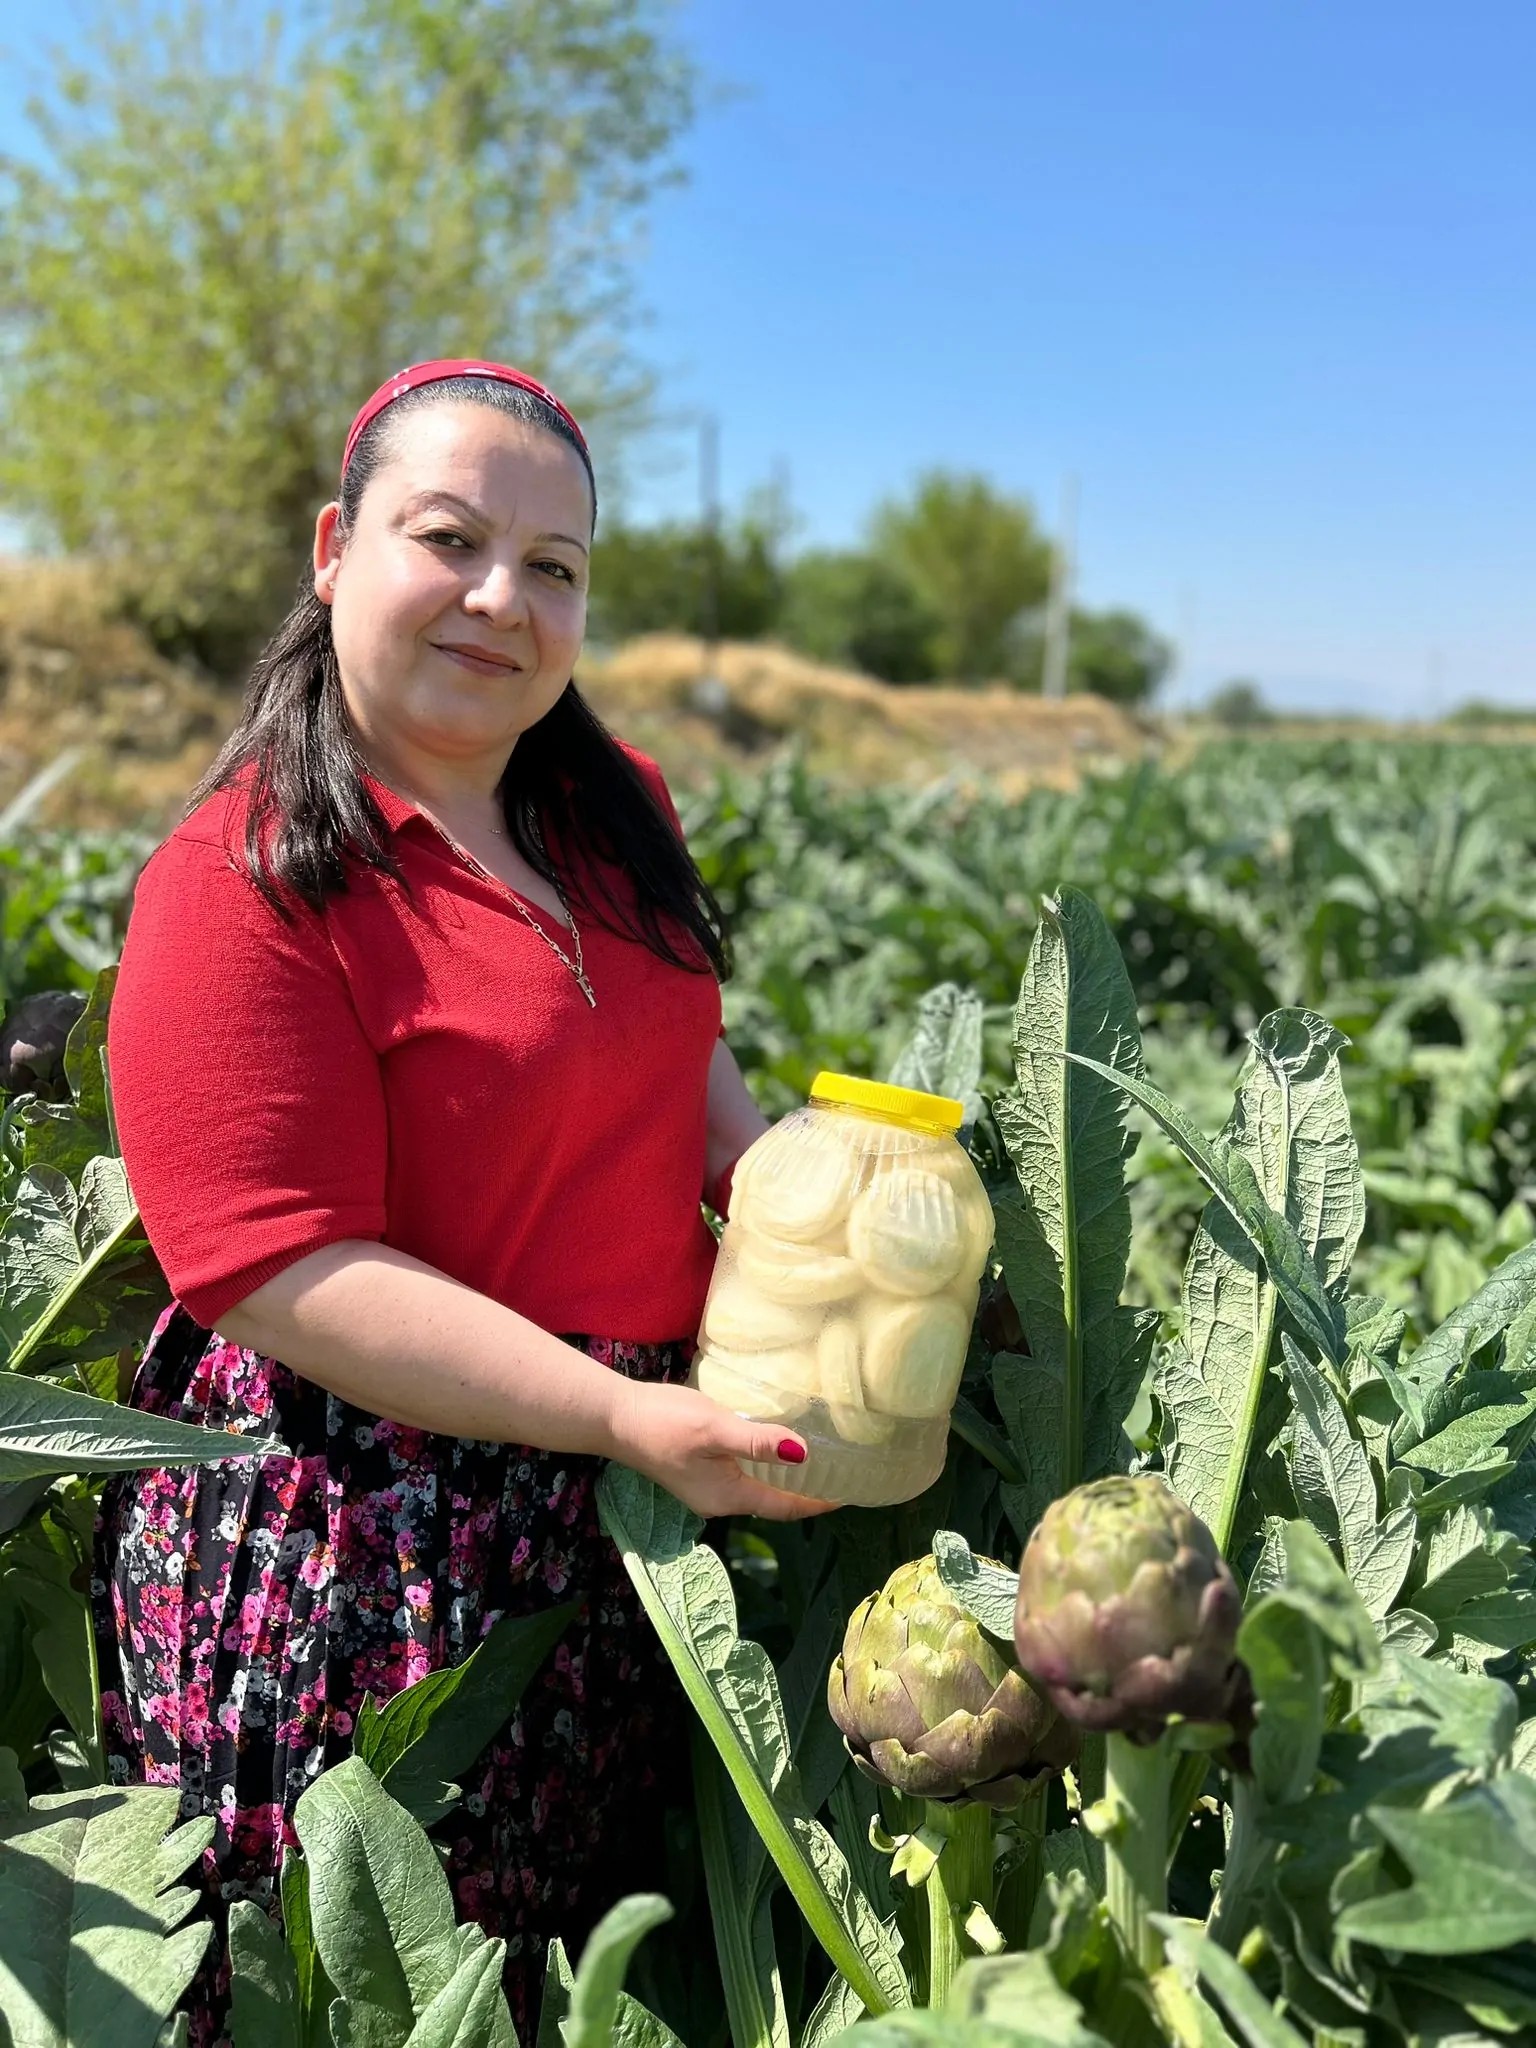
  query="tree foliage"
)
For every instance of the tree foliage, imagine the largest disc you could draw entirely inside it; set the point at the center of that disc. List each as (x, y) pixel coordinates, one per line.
(977, 563)
(234, 232)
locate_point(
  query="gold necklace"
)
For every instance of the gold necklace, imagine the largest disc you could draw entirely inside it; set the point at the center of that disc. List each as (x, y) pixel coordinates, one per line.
(575, 966)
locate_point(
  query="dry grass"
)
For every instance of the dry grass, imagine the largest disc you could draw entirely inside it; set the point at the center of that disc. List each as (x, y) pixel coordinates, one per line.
(73, 673)
(849, 725)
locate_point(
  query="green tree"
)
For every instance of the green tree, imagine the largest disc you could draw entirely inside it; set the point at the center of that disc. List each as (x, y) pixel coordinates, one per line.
(1116, 654)
(656, 579)
(237, 232)
(1239, 703)
(857, 611)
(976, 562)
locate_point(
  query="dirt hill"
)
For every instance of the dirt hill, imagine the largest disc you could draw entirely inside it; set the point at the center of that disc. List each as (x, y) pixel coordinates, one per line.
(757, 698)
(73, 676)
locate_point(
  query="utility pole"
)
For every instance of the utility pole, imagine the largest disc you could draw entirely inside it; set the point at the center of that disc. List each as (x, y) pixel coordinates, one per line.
(1058, 608)
(709, 526)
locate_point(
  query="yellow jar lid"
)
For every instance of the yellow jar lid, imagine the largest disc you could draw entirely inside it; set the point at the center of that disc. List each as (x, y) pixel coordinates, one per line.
(882, 1098)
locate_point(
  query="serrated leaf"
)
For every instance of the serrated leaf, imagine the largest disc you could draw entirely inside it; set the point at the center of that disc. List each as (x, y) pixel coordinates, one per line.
(943, 1056)
(986, 1590)
(50, 1431)
(379, 1903)
(95, 1954)
(1064, 1241)
(1231, 1178)
(1376, 1552)
(1504, 1297)
(1473, 1865)
(1473, 1718)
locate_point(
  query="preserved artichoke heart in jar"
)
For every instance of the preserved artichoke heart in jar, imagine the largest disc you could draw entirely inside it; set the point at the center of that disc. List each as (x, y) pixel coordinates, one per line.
(798, 1191)
(906, 1231)
(845, 1286)
(913, 1353)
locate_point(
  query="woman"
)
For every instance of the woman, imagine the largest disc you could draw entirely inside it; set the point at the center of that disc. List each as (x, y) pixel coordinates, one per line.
(416, 1060)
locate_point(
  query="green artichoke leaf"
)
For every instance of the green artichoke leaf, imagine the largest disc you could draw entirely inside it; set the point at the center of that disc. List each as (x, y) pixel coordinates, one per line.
(738, 1906)
(944, 1054)
(49, 1431)
(429, 1733)
(1289, 1135)
(1310, 1627)
(1473, 1867)
(1500, 1305)
(1256, 2021)
(313, 1987)
(1471, 1718)
(838, 2008)
(1336, 1479)
(76, 1271)
(733, 1689)
(1064, 1239)
(380, 1908)
(1232, 1180)
(264, 1987)
(597, 1991)
(95, 1951)
(986, 1591)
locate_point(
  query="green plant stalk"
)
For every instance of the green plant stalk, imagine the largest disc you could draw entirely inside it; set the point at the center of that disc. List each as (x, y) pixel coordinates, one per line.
(1248, 1855)
(1071, 1305)
(1018, 1891)
(752, 2023)
(960, 1878)
(778, 1833)
(77, 1284)
(1136, 1787)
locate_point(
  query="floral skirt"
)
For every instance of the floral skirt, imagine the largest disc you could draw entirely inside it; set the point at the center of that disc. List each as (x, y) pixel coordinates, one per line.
(244, 1609)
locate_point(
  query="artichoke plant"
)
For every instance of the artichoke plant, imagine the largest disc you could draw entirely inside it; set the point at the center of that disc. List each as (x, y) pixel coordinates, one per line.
(1127, 1613)
(928, 1704)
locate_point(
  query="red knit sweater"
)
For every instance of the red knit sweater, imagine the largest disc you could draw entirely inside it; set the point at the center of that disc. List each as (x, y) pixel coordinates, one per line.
(426, 1074)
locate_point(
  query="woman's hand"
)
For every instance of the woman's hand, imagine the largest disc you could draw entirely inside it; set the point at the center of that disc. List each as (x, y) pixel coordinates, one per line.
(690, 1445)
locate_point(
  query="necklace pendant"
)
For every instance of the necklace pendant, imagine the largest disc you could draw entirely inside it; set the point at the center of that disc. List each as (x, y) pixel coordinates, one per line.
(587, 990)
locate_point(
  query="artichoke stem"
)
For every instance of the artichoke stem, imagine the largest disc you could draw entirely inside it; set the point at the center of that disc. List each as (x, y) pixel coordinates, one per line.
(1019, 1889)
(960, 1879)
(1136, 1842)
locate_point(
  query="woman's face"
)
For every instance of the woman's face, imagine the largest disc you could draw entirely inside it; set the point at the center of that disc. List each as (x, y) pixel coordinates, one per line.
(459, 599)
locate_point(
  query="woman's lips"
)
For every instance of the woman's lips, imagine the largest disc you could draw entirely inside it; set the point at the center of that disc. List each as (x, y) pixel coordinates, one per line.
(477, 664)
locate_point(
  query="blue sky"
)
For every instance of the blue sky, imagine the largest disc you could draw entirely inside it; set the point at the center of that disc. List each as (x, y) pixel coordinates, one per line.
(1258, 273)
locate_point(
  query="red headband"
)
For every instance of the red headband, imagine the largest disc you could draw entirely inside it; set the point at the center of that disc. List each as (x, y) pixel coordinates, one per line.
(433, 373)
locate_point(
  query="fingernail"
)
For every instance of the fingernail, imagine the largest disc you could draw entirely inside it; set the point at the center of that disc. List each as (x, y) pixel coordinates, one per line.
(791, 1452)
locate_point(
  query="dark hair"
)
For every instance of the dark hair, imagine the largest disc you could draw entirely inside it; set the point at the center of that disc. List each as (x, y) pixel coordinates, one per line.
(568, 786)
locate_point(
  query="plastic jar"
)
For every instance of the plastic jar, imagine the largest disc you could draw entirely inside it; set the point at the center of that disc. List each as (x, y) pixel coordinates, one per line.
(846, 1285)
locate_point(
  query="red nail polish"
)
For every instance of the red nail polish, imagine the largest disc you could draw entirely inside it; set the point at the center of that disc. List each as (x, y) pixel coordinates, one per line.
(791, 1452)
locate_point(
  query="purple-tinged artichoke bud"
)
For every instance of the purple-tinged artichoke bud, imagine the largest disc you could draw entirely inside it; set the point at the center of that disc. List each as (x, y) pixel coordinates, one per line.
(929, 1704)
(1127, 1613)
(32, 1041)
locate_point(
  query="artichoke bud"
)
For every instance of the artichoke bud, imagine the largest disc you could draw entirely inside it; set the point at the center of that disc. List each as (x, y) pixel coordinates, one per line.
(1127, 1612)
(928, 1703)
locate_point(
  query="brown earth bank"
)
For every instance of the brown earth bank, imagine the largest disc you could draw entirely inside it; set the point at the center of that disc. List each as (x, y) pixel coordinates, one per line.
(76, 679)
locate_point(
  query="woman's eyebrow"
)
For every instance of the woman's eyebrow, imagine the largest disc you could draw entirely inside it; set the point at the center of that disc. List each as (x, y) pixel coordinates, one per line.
(420, 498)
(446, 498)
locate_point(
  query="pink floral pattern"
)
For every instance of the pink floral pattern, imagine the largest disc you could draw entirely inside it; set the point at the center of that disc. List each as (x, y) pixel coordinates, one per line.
(243, 1610)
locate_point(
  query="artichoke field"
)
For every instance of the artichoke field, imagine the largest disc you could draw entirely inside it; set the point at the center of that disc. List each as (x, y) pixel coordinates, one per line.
(1196, 1701)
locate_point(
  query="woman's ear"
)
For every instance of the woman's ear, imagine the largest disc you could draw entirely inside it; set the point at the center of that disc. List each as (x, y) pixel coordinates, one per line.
(327, 552)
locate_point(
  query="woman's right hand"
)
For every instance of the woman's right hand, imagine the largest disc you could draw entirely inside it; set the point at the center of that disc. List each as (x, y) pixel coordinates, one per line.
(690, 1445)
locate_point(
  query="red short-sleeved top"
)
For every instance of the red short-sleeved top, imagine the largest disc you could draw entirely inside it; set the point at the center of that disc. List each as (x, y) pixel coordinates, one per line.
(425, 1073)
